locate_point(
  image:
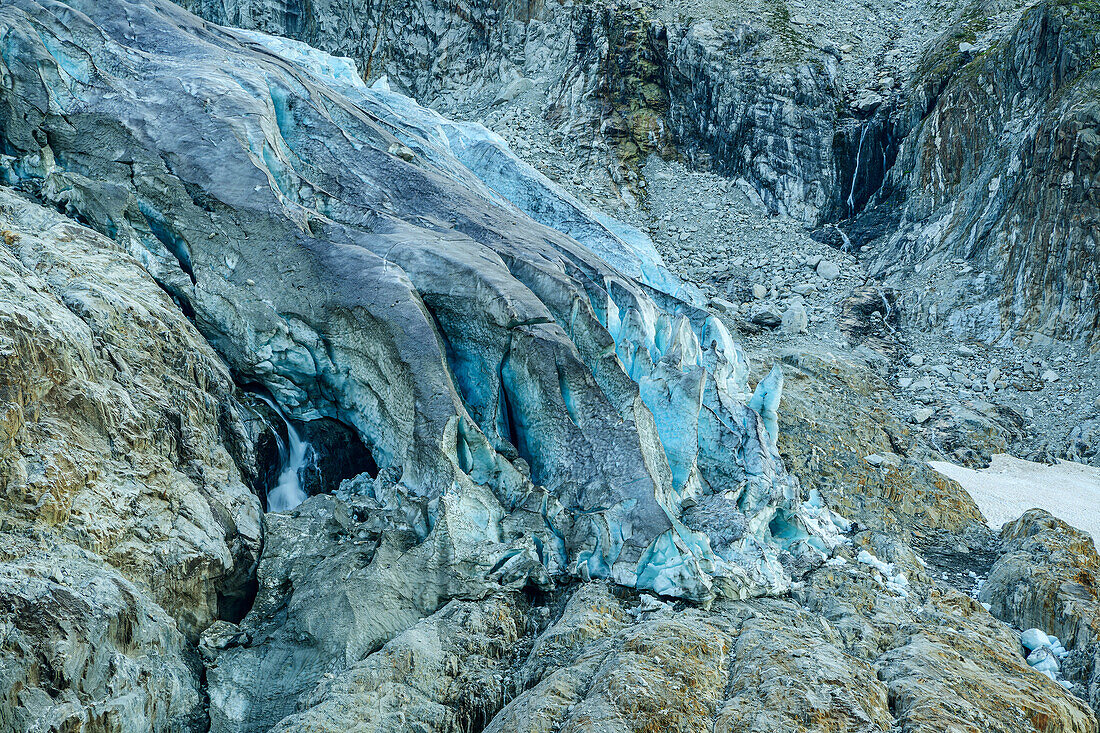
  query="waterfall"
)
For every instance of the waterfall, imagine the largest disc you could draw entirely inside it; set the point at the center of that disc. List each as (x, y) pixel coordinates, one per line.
(847, 246)
(288, 492)
(855, 173)
(886, 314)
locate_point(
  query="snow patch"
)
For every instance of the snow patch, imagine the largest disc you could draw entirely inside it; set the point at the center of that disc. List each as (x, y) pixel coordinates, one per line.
(1011, 486)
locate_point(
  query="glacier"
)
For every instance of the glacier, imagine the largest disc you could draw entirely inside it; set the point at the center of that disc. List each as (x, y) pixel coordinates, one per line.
(541, 395)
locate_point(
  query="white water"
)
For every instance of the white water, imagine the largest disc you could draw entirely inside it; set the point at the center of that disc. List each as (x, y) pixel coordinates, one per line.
(855, 173)
(288, 492)
(847, 242)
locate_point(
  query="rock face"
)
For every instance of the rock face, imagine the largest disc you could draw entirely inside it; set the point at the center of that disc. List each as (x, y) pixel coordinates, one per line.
(85, 649)
(944, 661)
(113, 447)
(332, 589)
(447, 673)
(86, 396)
(1000, 171)
(1046, 579)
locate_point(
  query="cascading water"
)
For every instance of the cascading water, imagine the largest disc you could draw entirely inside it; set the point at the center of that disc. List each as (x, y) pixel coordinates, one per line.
(288, 492)
(855, 173)
(888, 310)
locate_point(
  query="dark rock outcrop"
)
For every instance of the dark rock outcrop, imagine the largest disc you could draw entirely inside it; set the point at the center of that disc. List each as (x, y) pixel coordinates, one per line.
(1000, 172)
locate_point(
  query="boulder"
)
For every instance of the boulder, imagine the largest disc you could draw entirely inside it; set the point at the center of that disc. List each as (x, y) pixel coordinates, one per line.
(1046, 581)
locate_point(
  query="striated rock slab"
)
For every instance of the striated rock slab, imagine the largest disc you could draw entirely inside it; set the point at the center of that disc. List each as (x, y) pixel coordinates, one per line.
(333, 589)
(946, 663)
(940, 681)
(1046, 578)
(790, 672)
(84, 649)
(448, 673)
(118, 422)
(596, 669)
(1000, 171)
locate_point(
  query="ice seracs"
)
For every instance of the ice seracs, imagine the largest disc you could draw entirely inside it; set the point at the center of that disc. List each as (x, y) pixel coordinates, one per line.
(529, 378)
(765, 400)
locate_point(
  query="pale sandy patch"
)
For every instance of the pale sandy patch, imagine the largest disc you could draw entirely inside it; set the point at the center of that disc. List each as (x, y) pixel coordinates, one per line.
(1011, 486)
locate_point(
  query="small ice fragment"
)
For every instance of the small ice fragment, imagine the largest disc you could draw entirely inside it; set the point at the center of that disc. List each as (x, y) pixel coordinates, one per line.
(1033, 639)
(1042, 660)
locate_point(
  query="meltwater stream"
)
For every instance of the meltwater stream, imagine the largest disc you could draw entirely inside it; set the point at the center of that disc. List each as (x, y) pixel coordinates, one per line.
(855, 173)
(288, 492)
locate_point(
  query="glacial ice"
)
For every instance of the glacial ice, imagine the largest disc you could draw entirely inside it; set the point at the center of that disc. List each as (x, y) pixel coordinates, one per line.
(486, 155)
(1034, 639)
(765, 400)
(488, 354)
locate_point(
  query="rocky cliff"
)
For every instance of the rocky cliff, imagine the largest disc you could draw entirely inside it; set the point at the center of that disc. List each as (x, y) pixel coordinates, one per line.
(543, 475)
(999, 171)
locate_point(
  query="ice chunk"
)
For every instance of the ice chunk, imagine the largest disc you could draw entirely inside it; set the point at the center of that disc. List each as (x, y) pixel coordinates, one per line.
(868, 559)
(1042, 660)
(1034, 639)
(765, 400)
(895, 581)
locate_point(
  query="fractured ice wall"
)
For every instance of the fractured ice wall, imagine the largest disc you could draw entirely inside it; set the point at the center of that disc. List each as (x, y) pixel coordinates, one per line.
(540, 394)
